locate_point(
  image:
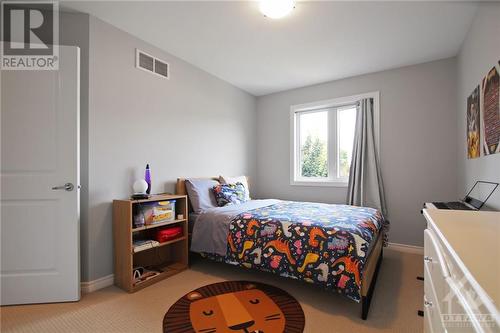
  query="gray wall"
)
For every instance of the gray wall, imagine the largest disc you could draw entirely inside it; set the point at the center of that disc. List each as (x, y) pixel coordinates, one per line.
(418, 146)
(479, 53)
(130, 118)
(74, 30)
(191, 125)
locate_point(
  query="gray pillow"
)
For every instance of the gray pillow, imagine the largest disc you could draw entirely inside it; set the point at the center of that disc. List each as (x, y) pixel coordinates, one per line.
(200, 193)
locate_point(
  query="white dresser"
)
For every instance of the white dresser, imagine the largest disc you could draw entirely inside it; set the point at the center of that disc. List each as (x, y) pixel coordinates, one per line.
(461, 271)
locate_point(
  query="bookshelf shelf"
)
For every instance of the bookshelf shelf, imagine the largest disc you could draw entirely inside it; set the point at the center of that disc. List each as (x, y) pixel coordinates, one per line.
(180, 239)
(168, 270)
(169, 257)
(156, 225)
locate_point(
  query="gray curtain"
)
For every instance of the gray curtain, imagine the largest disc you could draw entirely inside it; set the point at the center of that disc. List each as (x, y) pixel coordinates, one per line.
(365, 179)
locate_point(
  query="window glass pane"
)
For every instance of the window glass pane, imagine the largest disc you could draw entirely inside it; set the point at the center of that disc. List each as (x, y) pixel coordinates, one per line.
(313, 138)
(346, 122)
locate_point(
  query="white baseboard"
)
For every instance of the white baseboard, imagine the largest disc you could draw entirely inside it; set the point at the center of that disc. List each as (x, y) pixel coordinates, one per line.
(91, 286)
(406, 248)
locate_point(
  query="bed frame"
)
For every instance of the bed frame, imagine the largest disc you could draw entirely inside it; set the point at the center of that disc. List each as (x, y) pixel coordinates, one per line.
(370, 271)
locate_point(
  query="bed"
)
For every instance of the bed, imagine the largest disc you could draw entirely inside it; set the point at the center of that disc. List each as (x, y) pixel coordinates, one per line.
(337, 247)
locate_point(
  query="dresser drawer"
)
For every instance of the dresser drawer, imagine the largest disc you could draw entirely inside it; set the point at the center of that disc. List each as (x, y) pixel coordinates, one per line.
(427, 322)
(433, 254)
(460, 250)
(456, 311)
(435, 287)
(471, 300)
(432, 315)
(441, 254)
(435, 268)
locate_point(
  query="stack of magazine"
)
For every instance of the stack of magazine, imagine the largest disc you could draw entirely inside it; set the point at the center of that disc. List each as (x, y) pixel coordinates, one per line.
(141, 245)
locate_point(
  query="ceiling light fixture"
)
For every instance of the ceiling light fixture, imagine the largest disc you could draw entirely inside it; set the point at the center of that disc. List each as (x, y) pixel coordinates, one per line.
(276, 9)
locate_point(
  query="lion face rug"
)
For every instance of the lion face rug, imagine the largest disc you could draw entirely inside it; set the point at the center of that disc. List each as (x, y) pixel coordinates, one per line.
(235, 306)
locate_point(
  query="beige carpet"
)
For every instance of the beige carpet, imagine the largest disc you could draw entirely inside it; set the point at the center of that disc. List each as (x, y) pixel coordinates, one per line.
(398, 296)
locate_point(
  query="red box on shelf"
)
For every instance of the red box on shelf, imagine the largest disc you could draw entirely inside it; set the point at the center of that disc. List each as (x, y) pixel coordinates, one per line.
(167, 234)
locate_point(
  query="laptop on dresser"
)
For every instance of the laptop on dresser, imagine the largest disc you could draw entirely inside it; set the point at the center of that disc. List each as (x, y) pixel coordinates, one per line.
(474, 200)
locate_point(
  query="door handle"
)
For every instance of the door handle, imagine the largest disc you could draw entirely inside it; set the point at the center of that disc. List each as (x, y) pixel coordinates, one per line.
(67, 187)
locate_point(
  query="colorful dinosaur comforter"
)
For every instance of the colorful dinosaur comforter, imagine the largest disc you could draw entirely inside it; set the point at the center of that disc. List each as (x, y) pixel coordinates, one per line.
(318, 243)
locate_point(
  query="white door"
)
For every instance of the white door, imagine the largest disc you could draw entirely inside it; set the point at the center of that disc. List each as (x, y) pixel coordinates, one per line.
(40, 242)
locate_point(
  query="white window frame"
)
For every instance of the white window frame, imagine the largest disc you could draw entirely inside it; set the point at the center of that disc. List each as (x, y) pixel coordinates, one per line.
(295, 178)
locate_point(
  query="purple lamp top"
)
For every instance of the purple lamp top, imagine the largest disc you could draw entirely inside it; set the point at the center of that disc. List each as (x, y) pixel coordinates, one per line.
(147, 178)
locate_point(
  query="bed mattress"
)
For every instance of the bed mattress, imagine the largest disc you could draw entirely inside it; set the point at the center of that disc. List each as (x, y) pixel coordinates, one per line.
(318, 243)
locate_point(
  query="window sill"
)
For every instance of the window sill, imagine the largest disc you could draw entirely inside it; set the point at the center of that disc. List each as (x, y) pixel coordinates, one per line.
(321, 183)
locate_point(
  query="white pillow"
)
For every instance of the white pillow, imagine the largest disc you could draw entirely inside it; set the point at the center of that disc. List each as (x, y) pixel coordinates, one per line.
(234, 180)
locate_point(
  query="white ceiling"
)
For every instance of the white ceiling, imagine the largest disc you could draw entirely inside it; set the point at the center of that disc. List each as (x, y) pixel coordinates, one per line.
(318, 42)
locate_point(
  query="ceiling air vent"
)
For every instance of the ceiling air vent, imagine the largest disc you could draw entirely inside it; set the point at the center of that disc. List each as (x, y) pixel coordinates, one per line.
(161, 68)
(151, 64)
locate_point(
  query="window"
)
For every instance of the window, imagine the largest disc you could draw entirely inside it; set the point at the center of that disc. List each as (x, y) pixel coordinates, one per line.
(322, 140)
(313, 144)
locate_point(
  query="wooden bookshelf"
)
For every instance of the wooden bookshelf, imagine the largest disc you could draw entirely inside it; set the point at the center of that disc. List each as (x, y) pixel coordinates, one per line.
(170, 257)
